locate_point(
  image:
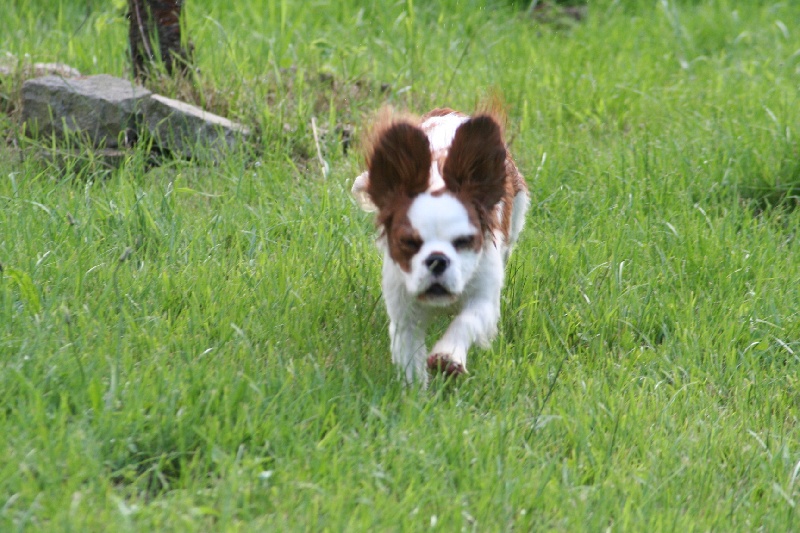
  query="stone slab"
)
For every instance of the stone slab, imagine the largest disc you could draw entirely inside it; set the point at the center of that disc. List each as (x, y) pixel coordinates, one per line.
(102, 107)
(188, 129)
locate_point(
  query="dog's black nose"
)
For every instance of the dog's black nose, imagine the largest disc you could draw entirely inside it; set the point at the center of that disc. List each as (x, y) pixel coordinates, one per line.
(437, 263)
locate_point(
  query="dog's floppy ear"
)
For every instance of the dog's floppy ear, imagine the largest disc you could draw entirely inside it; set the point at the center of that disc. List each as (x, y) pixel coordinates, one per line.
(399, 164)
(475, 167)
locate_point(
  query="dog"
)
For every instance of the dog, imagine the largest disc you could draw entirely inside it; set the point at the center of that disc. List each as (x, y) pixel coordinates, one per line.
(450, 206)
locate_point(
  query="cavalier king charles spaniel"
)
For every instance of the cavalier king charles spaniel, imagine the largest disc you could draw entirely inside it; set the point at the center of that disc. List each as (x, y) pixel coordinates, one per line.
(450, 205)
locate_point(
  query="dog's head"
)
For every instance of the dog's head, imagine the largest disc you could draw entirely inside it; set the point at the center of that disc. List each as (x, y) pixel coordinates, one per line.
(436, 237)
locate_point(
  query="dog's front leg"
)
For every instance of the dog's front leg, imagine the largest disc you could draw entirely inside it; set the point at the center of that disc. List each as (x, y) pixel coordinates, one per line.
(477, 320)
(407, 325)
(476, 323)
(408, 349)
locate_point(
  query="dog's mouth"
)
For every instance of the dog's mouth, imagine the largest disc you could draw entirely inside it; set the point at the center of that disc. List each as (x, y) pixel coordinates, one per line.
(437, 292)
(437, 289)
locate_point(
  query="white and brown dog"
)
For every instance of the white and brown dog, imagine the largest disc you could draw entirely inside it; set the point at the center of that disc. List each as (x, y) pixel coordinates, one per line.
(451, 204)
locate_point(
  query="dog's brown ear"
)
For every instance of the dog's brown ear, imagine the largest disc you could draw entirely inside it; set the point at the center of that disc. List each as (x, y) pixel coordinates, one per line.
(475, 167)
(399, 164)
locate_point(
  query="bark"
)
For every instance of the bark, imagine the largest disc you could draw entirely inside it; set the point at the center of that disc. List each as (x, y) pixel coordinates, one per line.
(156, 20)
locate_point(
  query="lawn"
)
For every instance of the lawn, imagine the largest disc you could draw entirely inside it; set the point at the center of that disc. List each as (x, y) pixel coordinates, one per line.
(188, 346)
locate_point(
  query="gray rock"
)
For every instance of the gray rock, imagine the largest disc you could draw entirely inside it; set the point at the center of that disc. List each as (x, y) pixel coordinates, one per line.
(102, 107)
(109, 111)
(187, 129)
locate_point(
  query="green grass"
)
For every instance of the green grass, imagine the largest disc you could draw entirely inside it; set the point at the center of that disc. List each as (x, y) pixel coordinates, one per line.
(193, 347)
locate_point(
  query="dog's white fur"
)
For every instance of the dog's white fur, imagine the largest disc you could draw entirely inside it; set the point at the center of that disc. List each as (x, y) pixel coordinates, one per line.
(470, 284)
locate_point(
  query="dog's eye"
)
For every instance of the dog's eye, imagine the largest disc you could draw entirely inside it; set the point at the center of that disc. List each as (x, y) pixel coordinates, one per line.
(411, 244)
(467, 241)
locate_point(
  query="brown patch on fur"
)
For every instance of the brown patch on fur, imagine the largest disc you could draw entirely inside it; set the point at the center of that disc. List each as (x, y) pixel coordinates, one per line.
(514, 184)
(399, 169)
(402, 239)
(440, 362)
(475, 168)
(399, 164)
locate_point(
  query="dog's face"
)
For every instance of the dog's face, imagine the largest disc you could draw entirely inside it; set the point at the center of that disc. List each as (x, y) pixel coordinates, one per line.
(436, 244)
(435, 238)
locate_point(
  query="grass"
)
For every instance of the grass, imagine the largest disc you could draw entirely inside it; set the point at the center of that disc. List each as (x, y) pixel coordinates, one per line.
(188, 347)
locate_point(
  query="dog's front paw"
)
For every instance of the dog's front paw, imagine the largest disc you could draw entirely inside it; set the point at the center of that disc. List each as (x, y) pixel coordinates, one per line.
(441, 362)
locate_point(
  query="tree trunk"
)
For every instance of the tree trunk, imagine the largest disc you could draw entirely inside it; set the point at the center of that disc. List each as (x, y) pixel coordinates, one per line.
(167, 30)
